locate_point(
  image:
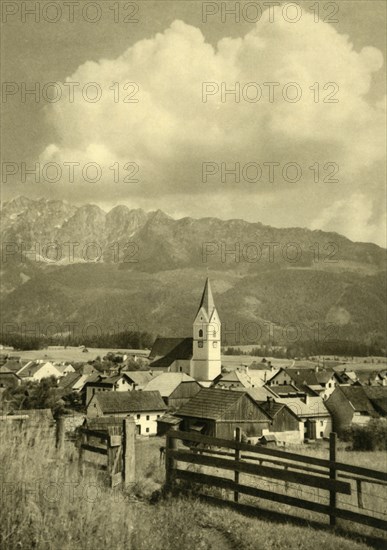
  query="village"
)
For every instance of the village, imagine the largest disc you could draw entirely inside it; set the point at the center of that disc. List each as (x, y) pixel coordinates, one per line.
(186, 383)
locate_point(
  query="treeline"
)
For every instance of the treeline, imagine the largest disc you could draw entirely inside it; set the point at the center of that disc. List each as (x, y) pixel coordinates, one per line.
(311, 348)
(124, 340)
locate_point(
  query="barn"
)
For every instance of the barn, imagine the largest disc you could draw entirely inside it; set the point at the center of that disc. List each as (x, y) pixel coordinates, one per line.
(218, 412)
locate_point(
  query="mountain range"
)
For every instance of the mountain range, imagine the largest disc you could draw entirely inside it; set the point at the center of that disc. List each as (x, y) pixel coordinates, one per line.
(128, 268)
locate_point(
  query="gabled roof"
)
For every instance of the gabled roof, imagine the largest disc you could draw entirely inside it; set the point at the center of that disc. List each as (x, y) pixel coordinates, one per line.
(211, 403)
(182, 351)
(5, 370)
(312, 407)
(207, 302)
(138, 377)
(309, 377)
(359, 399)
(128, 402)
(163, 346)
(67, 382)
(286, 389)
(14, 366)
(236, 377)
(167, 382)
(258, 394)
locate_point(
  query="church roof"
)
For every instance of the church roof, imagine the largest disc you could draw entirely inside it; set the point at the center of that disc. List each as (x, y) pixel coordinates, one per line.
(182, 350)
(207, 301)
(163, 346)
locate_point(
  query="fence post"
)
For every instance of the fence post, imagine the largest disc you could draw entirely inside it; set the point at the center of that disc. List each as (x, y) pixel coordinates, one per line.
(237, 457)
(81, 465)
(59, 432)
(332, 476)
(129, 453)
(171, 445)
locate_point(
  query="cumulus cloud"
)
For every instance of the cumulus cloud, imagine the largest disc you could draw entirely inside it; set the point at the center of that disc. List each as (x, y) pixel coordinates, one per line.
(170, 131)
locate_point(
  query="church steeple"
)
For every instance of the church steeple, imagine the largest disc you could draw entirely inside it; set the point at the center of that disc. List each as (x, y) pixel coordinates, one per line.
(207, 301)
(206, 359)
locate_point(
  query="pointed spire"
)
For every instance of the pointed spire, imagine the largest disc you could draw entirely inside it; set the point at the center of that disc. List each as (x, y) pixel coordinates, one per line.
(207, 301)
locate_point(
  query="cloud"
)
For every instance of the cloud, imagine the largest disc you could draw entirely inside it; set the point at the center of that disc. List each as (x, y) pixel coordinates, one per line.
(169, 132)
(355, 218)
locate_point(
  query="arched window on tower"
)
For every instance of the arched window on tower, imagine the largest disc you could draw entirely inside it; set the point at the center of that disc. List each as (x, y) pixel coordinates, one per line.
(200, 333)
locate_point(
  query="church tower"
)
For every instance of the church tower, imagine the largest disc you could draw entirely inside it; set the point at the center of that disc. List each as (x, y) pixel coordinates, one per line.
(206, 360)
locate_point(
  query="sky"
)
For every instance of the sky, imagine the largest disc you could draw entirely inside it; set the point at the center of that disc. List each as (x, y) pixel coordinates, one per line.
(157, 129)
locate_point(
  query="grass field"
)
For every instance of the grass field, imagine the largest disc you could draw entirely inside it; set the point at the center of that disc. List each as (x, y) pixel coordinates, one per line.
(47, 506)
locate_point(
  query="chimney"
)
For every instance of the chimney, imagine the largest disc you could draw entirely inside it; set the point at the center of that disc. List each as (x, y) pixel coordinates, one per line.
(316, 368)
(307, 399)
(384, 382)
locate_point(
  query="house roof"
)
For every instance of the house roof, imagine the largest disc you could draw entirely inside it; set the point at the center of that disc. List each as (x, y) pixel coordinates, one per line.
(210, 403)
(167, 382)
(182, 351)
(359, 399)
(169, 419)
(285, 389)
(258, 394)
(140, 378)
(68, 381)
(131, 401)
(309, 377)
(5, 371)
(313, 407)
(14, 366)
(237, 377)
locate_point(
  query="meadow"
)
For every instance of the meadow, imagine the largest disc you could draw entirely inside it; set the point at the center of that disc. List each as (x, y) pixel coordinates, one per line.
(46, 505)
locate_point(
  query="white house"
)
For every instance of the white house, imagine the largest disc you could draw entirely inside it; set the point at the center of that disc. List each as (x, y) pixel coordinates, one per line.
(34, 371)
(312, 412)
(146, 408)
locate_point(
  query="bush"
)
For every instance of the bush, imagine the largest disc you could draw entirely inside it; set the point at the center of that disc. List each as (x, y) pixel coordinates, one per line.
(371, 437)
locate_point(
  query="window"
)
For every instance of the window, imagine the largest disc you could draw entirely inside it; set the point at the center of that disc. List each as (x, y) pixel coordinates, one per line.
(214, 344)
(200, 333)
(200, 344)
(329, 385)
(139, 416)
(158, 416)
(321, 434)
(147, 430)
(147, 416)
(321, 423)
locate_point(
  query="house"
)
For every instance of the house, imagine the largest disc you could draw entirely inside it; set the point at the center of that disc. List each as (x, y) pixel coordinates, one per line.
(176, 388)
(124, 381)
(346, 377)
(313, 381)
(199, 356)
(145, 407)
(74, 381)
(65, 369)
(218, 412)
(356, 405)
(313, 413)
(284, 422)
(8, 378)
(34, 371)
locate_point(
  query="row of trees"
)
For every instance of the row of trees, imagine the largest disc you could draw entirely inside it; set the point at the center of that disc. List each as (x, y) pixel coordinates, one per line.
(124, 340)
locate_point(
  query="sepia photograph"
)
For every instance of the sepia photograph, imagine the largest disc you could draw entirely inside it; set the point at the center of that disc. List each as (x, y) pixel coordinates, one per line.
(193, 278)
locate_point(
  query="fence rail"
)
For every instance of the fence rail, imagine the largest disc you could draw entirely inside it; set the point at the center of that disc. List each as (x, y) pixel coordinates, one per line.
(284, 466)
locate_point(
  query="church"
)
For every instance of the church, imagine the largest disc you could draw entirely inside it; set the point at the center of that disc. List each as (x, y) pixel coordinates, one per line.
(199, 356)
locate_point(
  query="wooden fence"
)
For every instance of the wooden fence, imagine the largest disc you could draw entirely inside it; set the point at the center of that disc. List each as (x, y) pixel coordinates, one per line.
(289, 468)
(116, 443)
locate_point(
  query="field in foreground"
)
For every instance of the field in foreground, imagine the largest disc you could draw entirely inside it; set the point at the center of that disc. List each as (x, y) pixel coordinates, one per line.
(46, 505)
